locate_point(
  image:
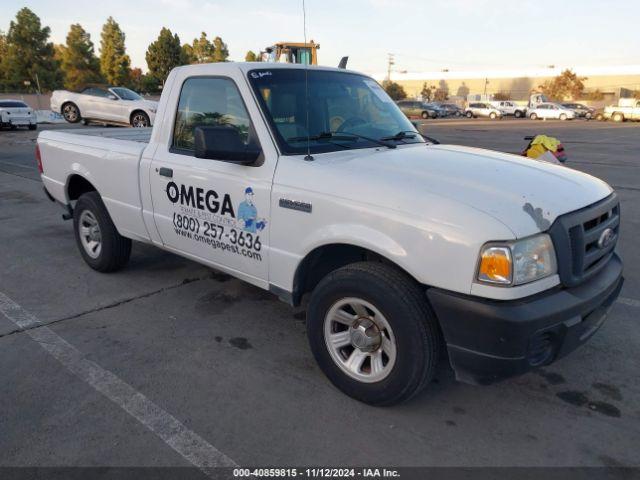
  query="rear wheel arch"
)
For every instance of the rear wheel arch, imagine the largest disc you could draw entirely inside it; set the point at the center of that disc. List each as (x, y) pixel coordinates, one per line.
(139, 111)
(77, 185)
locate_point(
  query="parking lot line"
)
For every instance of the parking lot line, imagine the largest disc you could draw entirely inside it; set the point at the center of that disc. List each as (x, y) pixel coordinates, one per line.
(632, 302)
(187, 443)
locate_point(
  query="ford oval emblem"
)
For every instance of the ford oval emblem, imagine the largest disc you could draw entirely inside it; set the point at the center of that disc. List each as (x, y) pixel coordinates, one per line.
(606, 238)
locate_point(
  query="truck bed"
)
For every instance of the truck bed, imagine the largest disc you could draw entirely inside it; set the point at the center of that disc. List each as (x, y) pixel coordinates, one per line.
(108, 158)
(142, 135)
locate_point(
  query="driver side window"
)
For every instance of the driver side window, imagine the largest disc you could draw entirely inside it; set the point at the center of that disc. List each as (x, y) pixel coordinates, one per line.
(207, 101)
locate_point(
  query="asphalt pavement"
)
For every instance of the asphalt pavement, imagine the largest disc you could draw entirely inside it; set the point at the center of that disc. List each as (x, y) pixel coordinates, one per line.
(94, 367)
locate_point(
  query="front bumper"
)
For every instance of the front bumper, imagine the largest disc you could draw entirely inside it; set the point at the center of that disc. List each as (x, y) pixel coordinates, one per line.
(490, 340)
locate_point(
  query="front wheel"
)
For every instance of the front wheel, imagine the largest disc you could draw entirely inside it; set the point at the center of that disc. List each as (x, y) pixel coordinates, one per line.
(493, 116)
(140, 120)
(518, 114)
(469, 114)
(372, 333)
(425, 115)
(71, 113)
(100, 244)
(563, 117)
(617, 117)
(33, 126)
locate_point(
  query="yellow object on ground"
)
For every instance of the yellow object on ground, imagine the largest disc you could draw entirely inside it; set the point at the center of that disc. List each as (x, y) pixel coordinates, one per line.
(541, 144)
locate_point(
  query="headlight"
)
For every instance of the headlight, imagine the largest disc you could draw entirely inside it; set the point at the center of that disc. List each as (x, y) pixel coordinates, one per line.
(515, 263)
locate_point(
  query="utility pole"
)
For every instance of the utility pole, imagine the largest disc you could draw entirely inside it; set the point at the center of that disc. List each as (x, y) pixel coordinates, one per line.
(486, 82)
(390, 63)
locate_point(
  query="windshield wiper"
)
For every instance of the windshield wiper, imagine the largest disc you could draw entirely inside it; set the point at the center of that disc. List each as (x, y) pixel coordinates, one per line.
(403, 134)
(340, 136)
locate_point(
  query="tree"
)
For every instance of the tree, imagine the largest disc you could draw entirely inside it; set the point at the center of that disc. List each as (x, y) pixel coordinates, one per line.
(28, 55)
(566, 86)
(595, 95)
(426, 92)
(164, 55)
(114, 61)
(394, 90)
(251, 57)
(502, 96)
(78, 62)
(221, 50)
(203, 50)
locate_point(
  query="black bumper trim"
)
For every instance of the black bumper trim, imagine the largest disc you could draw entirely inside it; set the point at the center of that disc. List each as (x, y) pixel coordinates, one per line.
(489, 340)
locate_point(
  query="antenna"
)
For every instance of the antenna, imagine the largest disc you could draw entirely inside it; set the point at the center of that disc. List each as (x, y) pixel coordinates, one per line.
(308, 157)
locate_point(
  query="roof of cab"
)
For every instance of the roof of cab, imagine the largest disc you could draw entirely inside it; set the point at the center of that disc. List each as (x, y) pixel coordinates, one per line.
(248, 66)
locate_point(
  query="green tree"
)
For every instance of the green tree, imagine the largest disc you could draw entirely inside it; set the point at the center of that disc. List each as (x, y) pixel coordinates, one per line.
(188, 55)
(28, 55)
(221, 52)
(426, 92)
(203, 50)
(164, 55)
(394, 90)
(114, 61)
(251, 57)
(79, 63)
(565, 86)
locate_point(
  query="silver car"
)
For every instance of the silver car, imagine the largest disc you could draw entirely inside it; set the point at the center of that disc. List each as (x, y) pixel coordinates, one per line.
(551, 111)
(481, 109)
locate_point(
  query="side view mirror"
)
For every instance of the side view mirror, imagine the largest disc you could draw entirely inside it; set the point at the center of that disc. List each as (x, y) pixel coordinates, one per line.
(224, 143)
(112, 97)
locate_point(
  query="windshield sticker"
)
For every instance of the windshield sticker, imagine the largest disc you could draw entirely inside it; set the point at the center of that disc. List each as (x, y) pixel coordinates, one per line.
(266, 73)
(377, 89)
(207, 217)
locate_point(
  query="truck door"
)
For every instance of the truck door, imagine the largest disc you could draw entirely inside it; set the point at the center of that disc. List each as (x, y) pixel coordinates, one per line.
(216, 211)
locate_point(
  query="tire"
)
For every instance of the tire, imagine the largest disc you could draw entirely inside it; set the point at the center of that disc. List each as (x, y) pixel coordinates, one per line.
(469, 114)
(71, 112)
(493, 116)
(562, 117)
(588, 116)
(410, 341)
(113, 250)
(518, 114)
(617, 117)
(33, 127)
(140, 120)
(599, 117)
(425, 115)
(533, 116)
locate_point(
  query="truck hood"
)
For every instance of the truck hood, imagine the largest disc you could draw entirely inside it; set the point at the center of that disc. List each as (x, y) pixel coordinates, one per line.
(525, 195)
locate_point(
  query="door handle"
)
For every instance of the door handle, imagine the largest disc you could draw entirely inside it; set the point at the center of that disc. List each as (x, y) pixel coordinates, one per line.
(166, 172)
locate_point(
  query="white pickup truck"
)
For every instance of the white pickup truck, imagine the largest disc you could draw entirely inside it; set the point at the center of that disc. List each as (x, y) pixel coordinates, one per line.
(627, 109)
(311, 183)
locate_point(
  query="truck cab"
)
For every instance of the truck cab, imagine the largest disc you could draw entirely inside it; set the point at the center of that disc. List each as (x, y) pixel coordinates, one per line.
(311, 183)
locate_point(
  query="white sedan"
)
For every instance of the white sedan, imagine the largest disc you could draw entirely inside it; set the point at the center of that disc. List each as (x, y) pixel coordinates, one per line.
(16, 113)
(551, 111)
(117, 105)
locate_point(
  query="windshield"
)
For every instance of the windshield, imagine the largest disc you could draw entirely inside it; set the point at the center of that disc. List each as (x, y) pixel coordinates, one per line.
(345, 111)
(12, 104)
(126, 94)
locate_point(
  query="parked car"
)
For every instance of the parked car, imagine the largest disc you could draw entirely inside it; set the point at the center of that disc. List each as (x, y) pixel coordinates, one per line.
(414, 108)
(111, 105)
(16, 113)
(439, 109)
(581, 111)
(452, 110)
(551, 111)
(507, 107)
(480, 109)
(627, 109)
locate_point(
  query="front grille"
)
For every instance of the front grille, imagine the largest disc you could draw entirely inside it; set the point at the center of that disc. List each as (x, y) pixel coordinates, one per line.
(577, 240)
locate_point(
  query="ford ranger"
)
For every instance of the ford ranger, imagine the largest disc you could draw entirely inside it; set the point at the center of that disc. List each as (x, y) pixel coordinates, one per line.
(311, 183)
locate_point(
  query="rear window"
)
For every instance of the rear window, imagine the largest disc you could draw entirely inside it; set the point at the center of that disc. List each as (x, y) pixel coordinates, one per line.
(12, 104)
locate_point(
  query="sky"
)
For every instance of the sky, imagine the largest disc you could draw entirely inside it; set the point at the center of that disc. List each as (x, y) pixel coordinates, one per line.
(471, 36)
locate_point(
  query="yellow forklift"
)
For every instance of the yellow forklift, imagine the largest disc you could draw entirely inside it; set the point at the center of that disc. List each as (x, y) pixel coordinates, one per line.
(292, 52)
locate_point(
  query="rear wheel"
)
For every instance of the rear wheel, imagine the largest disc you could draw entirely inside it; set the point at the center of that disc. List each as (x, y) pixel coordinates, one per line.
(140, 120)
(518, 114)
(493, 116)
(71, 112)
(372, 333)
(100, 244)
(563, 116)
(617, 117)
(425, 115)
(533, 116)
